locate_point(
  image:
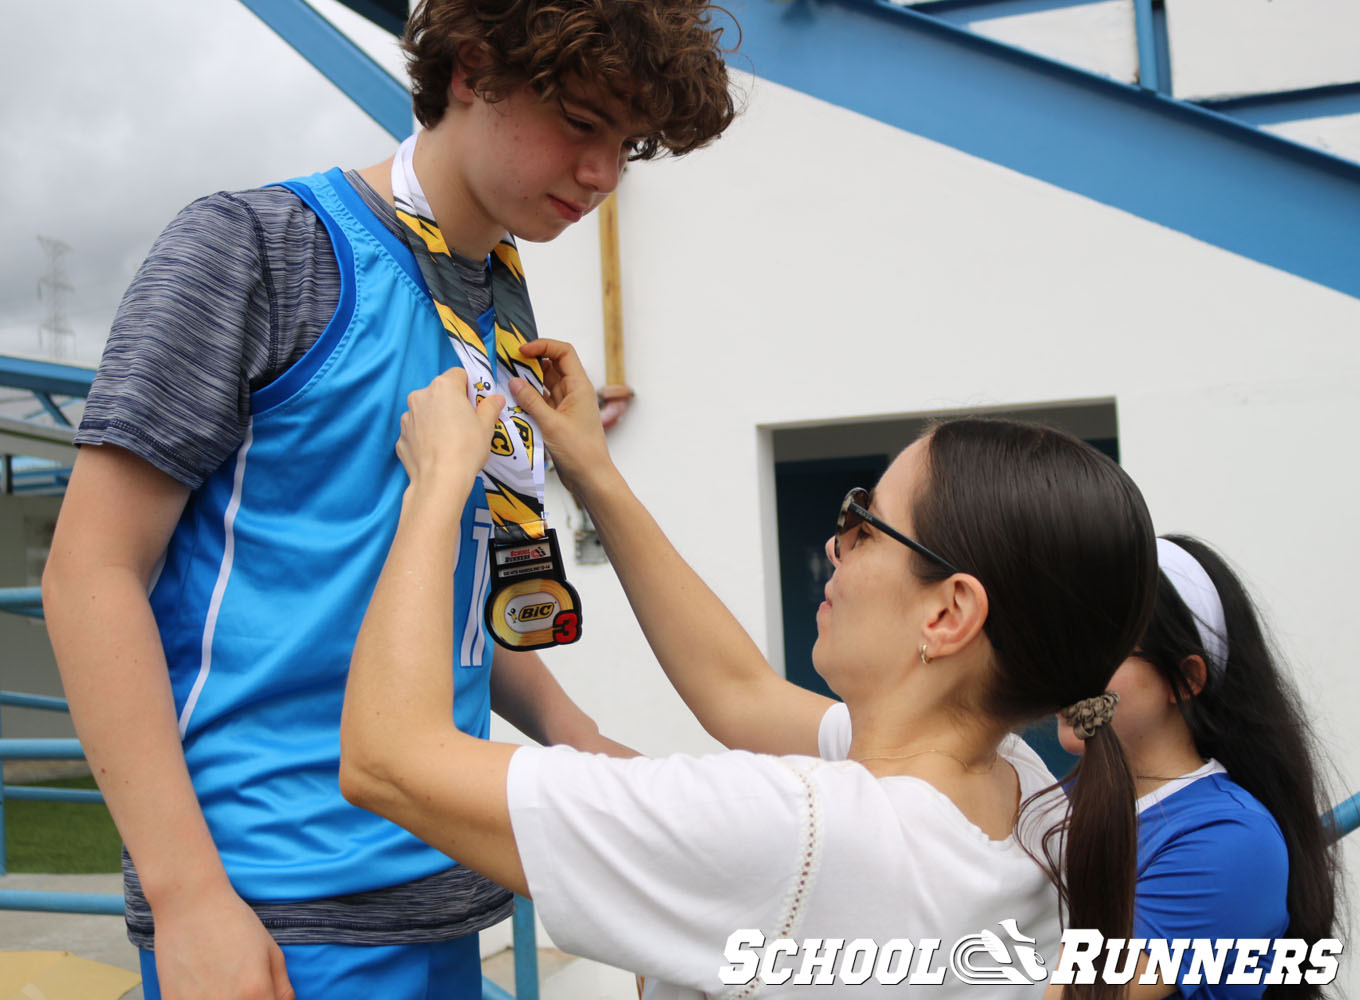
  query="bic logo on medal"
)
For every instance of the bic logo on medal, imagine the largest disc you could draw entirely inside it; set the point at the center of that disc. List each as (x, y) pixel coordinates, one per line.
(531, 604)
(526, 612)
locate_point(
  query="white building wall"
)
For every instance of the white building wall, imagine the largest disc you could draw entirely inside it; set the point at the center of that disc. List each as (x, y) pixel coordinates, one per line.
(1232, 48)
(1338, 135)
(1227, 48)
(818, 266)
(1098, 36)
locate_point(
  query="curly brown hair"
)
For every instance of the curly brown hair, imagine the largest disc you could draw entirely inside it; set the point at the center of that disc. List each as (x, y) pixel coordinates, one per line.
(662, 58)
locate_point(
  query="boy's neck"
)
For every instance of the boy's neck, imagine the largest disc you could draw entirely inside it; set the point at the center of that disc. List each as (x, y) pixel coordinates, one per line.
(433, 166)
(466, 228)
(379, 178)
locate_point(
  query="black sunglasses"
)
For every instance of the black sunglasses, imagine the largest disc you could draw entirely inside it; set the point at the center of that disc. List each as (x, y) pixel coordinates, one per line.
(855, 511)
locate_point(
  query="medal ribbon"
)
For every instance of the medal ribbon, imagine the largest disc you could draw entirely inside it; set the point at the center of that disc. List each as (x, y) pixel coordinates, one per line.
(513, 475)
(530, 605)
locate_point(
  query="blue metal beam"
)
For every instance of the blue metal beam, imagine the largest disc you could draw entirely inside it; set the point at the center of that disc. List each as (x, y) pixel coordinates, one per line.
(975, 10)
(47, 703)
(45, 376)
(1154, 54)
(41, 793)
(1181, 166)
(48, 481)
(53, 410)
(110, 904)
(40, 748)
(1345, 818)
(21, 600)
(526, 950)
(345, 64)
(1291, 105)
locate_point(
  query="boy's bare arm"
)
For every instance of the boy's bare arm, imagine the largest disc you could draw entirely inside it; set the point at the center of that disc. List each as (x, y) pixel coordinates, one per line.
(115, 523)
(525, 694)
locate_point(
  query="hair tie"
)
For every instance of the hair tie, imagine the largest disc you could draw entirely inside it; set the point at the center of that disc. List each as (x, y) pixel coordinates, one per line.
(1197, 591)
(1089, 714)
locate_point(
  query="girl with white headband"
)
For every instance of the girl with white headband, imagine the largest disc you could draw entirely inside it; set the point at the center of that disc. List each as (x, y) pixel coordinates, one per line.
(1231, 844)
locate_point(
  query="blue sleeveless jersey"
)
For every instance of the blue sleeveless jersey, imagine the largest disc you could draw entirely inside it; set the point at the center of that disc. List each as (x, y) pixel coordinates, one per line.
(270, 569)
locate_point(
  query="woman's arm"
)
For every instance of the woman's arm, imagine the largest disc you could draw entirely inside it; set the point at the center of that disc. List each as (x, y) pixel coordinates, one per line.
(713, 664)
(401, 755)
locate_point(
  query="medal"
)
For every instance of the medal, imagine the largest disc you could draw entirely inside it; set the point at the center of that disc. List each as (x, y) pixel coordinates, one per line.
(530, 604)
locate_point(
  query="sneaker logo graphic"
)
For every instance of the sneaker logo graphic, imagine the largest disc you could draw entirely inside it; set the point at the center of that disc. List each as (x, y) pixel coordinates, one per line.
(984, 959)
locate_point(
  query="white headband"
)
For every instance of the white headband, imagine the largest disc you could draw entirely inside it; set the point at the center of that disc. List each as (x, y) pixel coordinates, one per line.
(1195, 588)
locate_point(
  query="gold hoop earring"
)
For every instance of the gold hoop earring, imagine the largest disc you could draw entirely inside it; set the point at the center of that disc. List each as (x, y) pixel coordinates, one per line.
(924, 657)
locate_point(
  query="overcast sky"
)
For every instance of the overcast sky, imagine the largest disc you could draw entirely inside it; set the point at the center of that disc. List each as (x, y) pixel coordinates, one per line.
(114, 114)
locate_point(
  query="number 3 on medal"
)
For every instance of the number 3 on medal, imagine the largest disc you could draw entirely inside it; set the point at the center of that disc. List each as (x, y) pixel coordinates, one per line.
(567, 627)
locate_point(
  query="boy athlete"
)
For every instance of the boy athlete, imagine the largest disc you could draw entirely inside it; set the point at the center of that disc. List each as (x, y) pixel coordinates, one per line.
(237, 489)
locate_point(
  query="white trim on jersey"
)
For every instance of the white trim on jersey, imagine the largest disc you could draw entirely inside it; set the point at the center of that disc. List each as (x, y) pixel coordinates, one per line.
(223, 574)
(474, 636)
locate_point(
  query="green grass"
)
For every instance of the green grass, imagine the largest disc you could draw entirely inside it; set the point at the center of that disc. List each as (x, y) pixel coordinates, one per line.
(61, 838)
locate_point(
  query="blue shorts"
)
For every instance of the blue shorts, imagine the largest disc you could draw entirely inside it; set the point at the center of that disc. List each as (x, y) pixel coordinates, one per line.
(445, 970)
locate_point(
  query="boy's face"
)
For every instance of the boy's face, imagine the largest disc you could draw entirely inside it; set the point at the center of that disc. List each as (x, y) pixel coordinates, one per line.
(535, 166)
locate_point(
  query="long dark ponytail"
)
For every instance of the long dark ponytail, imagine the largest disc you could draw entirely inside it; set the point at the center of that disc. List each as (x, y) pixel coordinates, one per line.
(1061, 540)
(1248, 717)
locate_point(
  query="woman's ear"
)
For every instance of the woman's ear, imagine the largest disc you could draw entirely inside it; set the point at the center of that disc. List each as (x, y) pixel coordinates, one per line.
(958, 616)
(1195, 673)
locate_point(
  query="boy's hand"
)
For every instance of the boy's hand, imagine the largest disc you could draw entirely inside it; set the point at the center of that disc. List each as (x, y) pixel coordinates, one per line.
(568, 413)
(444, 441)
(215, 948)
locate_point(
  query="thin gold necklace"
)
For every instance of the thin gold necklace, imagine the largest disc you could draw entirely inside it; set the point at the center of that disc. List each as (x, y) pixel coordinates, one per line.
(970, 768)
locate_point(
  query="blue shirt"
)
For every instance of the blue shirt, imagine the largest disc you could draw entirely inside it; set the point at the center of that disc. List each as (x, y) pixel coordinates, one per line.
(1212, 863)
(269, 572)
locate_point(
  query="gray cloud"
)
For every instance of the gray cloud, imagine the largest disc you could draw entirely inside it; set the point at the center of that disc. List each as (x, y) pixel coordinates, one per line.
(114, 114)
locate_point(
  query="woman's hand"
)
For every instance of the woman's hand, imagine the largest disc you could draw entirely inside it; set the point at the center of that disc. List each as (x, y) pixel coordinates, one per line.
(444, 440)
(568, 414)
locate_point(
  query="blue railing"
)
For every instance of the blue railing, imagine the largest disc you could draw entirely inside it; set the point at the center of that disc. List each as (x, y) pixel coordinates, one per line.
(25, 601)
(1344, 818)
(28, 601)
(44, 749)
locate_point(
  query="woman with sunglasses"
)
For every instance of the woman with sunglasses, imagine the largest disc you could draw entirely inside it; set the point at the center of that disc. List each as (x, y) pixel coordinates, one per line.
(998, 572)
(1231, 842)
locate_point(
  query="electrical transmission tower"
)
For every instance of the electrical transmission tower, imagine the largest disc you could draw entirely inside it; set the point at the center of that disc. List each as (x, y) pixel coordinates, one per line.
(55, 335)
